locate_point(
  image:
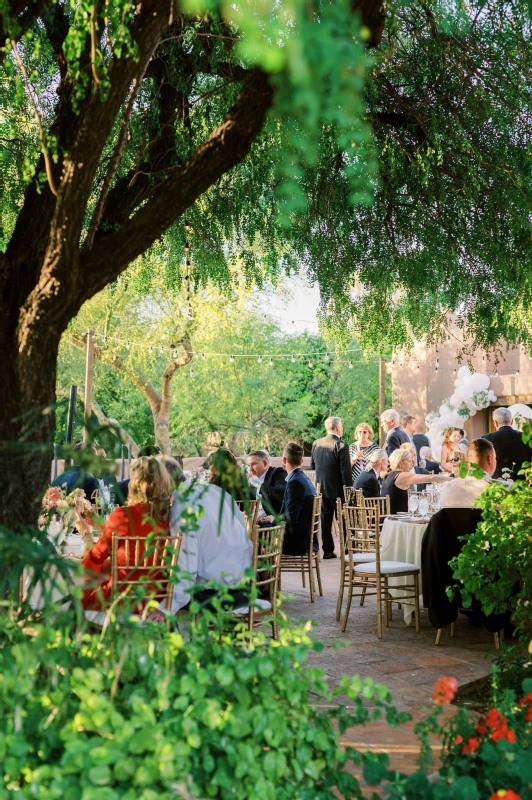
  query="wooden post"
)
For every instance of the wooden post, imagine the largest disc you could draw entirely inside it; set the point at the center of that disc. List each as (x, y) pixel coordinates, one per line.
(89, 369)
(382, 396)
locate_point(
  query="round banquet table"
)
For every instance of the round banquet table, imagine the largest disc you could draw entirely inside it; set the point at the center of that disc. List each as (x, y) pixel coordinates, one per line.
(401, 541)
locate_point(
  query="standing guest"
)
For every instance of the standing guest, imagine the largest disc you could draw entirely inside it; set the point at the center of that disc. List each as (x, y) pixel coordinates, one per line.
(77, 478)
(272, 481)
(219, 550)
(426, 460)
(370, 481)
(147, 511)
(361, 449)
(451, 450)
(297, 505)
(409, 425)
(330, 459)
(395, 437)
(511, 451)
(462, 492)
(399, 480)
(420, 440)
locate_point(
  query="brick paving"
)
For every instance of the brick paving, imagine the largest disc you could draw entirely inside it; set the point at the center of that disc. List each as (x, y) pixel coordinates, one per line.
(408, 663)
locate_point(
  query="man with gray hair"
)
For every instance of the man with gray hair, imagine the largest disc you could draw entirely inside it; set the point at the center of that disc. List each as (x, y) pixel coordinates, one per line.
(395, 437)
(330, 458)
(272, 481)
(510, 449)
(370, 481)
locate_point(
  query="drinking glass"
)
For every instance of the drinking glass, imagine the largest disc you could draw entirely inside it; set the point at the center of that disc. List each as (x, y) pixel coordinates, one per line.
(413, 503)
(424, 505)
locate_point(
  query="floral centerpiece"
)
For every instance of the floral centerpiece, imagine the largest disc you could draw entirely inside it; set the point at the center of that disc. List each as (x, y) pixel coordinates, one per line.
(58, 513)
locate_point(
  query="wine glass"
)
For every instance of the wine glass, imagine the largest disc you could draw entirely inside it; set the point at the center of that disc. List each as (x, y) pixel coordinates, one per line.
(424, 504)
(413, 503)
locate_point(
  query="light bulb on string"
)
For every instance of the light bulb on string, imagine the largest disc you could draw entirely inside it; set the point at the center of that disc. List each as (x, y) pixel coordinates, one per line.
(271, 362)
(232, 359)
(203, 356)
(104, 341)
(350, 365)
(187, 247)
(161, 350)
(437, 364)
(174, 354)
(293, 359)
(128, 345)
(259, 359)
(454, 371)
(326, 357)
(310, 364)
(191, 373)
(187, 225)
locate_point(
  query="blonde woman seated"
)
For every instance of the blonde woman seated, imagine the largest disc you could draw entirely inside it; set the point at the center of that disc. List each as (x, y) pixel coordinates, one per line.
(147, 511)
(399, 480)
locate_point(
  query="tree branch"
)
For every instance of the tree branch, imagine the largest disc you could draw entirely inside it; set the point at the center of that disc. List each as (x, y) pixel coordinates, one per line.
(169, 374)
(17, 19)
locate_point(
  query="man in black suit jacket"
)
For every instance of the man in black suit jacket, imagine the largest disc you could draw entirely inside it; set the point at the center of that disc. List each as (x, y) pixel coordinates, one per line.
(370, 481)
(330, 458)
(420, 440)
(510, 450)
(273, 484)
(77, 478)
(395, 437)
(297, 504)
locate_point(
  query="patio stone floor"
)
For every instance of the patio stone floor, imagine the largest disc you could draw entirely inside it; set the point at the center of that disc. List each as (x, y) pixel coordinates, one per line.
(408, 663)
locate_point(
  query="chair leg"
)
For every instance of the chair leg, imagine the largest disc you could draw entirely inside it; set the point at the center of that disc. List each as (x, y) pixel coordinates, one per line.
(348, 604)
(303, 572)
(311, 578)
(497, 641)
(438, 636)
(387, 603)
(340, 595)
(318, 573)
(363, 595)
(452, 628)
(379, 609)
(416, 602)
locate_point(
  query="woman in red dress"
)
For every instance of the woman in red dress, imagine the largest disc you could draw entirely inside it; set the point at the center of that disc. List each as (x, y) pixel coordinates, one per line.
(147, 511)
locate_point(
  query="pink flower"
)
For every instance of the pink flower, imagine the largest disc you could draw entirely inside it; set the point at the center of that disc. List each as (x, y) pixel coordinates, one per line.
(444, 691)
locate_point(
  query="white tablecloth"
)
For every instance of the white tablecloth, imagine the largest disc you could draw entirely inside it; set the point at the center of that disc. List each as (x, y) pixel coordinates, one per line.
(401, 541)
(74, 550)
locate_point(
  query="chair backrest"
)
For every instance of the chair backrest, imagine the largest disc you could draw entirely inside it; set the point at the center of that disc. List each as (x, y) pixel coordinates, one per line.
(250, 510)
(382, 503)
(318, 488)
(267, 552)
(352, 496)
(315, 522)
(341, 534)
(311, 475)
(149, 563)
(361, 531)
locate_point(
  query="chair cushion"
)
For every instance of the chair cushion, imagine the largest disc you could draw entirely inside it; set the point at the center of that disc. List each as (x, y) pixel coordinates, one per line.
(260, 606)
(363, 558)
(387, 567)
(100, 618)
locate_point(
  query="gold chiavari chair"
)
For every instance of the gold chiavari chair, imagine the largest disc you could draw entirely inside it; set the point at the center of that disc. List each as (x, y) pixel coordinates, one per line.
(311, 475)
(353, 497)
(310, 562)
(344, 561)
(267, 552)
(149, 564)
(382, 503)
(362, 532)
(250, 510)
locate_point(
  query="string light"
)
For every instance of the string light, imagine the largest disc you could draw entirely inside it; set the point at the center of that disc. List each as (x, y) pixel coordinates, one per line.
(259, 359)
(310, 364)
(191, 373)
(150, 349)
(293, 359)
(232, 359)
(202, 356)
(174, 354)
(187, 225)
(128, 345)
(350, 365)
(105, 340)
(161, 350)
(454, 371)
(437, 363)
(271, 362)
(187, 247)
(326, 357)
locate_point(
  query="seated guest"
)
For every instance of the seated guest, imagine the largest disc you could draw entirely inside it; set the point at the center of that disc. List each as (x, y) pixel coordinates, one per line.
(297, 505)
(226, 472)
(121, 487)
(147, 511)
(75, 477)
(370, 481)
(395, 437)
(462, 492)
(426, 460)
(173, 468)
(510, 450)
(417, 468)
(272, 481)
(397, 483)
(218, 550)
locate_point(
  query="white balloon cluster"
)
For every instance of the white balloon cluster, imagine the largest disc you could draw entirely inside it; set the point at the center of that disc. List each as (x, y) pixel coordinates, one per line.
(471, 394)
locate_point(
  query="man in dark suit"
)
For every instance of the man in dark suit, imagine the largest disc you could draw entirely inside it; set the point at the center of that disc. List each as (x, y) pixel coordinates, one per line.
(395, 437)
(273, 481)
(510, 449)
(370, 481)
(77, 478)
(297, 504)
(420, 440)
(330, 458)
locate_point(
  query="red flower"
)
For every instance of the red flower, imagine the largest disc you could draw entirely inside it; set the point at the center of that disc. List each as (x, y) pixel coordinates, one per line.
(503, 733)
(481, 729)
(472, 745)
(505, 794)
(495, 719)
(459, 739)
(444, 691)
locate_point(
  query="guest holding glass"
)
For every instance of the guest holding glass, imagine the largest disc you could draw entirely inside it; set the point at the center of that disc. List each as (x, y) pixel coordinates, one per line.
(401, 478)
(451, 450)
(361, 449)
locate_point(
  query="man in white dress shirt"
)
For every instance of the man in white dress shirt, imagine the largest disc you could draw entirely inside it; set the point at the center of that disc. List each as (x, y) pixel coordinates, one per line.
(219, 550)
(463, 492)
